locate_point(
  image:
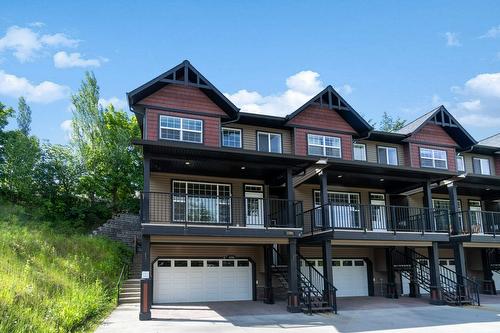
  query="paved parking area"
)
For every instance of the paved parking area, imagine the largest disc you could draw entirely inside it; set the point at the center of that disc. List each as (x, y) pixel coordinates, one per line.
(382, 315)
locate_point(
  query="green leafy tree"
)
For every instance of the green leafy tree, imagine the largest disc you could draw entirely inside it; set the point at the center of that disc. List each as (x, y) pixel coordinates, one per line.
(21, 155)
(24, 116)
(389, 124)
(103, 139)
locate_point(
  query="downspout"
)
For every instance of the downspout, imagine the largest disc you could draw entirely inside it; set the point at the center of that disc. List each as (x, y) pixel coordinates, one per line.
(231, 121)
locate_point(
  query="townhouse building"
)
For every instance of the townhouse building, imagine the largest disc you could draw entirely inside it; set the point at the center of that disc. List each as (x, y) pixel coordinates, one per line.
(312, 206)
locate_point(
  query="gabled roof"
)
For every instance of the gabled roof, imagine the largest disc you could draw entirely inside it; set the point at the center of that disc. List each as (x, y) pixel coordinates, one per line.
(332, 100)
(184, 74)
(442, 117)
(491, 141)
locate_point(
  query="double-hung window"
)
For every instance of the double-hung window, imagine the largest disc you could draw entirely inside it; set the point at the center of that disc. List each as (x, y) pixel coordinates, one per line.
(181, 129)
(201, 202)
(387, 155)
(481, 166)
(433, 158)
(460, 163)
(321, 145)
(231, 137)
(269, 142)
(359, 151)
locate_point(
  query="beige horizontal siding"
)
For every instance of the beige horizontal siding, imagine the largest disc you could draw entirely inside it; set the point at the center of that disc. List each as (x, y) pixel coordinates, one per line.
(468, 162)
(371, 150)
(417, 200)
(249, 136)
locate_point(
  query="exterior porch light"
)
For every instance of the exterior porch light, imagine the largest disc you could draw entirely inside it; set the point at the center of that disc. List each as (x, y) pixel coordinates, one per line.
(381, 179)
(322, 161)
(487, 189)
(187, 163)
(243, 167)
(339, 176)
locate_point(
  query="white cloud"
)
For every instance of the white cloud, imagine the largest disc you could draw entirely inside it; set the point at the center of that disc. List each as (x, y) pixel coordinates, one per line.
(37, 24)
(44, 92)
(118, 103)
(486, 84)
(346, 89)
(452, 39)
(477, 102)
(301, 87)
(26, 43)
(67, 128)
(65, 60)
(494, 32)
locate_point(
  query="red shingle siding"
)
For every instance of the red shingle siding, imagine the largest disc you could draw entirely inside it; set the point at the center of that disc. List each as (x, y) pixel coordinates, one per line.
(433, 134)
(321, 118)
(183, 98)
(496, 167)
(300, 140)
(415, 155)
(407, 150)
(211, 125)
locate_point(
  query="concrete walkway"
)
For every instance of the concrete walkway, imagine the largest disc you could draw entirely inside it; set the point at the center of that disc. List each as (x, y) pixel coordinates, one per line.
(230, 317)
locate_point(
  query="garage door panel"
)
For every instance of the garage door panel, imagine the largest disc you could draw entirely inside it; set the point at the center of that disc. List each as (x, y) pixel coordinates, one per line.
(208, 280)
(349, 279)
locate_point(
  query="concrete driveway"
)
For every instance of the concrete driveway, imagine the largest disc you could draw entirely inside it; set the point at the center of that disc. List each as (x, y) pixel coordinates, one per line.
(404, 316)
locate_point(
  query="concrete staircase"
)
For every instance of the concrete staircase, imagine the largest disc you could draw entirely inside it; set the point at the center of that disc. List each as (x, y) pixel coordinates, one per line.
(130, 291)
(123, 227)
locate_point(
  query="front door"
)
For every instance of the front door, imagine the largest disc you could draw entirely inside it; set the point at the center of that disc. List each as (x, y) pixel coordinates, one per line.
(254, 209)
(377, 211)
(475, 216)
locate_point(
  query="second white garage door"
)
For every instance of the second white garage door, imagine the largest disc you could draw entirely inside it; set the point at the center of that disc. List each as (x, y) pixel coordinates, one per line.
(350, 276)
(202, 280)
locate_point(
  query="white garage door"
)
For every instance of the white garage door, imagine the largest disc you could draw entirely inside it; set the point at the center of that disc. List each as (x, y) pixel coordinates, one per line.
(350, 276)
(202, 280)
(496, 278)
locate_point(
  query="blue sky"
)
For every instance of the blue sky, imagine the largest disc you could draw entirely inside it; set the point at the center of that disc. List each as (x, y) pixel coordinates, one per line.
(400, 57)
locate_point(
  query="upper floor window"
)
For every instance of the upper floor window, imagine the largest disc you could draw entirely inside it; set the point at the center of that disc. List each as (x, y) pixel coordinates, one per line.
(231, 137)
(181, 129)
(387, 155)
(322, 145)
(433, 158)
(269, 142)
(359, 150)
(481, 166)
(460, 163)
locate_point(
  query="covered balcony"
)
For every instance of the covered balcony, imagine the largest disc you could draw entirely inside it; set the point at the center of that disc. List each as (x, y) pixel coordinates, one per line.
(379, 218)
(223, 211)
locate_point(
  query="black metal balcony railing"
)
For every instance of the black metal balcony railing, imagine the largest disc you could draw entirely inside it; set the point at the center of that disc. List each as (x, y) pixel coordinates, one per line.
(159, 207)
(375, 218)
(479, 222)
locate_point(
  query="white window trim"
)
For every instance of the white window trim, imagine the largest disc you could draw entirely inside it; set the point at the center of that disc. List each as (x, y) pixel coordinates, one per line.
(231, 129)
(324, 146)
(317, 193)
(181, 130)
(268, 134)
(463, 163)
(481, 160)
(434, 158)
(181, 200)
(354, 149)
(387, 148)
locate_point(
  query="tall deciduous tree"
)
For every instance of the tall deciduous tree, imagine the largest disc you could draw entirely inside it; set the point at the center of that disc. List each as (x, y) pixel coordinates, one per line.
(389, 124)
(23, 116)
(103, 140)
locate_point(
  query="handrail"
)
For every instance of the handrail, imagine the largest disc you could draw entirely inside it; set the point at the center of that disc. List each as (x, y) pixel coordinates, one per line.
(478, 222)
(335, 215)
(119, 282)
(226, 211)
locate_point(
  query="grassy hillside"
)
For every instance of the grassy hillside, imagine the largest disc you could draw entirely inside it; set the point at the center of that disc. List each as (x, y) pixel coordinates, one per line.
(53, 282)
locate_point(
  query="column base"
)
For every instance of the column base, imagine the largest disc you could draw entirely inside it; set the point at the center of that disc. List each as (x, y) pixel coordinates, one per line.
(268, 295)
(293, 303)
(145, 316)
(391, 291)
(436, 298)
(414, 290)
